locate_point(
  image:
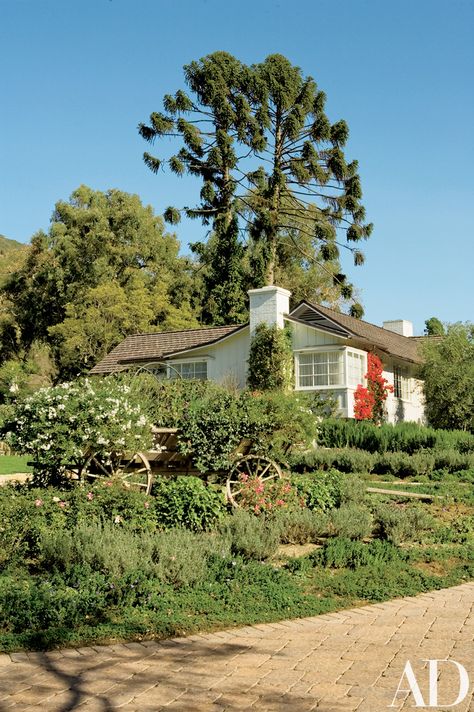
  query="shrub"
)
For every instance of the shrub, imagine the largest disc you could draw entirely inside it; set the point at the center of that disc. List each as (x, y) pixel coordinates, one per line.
(270, 359)
(251, 537)
(182, 556)
(351, 521)
(213, 420)
(60, 425)
(343, 552)
(96, 546)
(353, 461)
(397, 525)
(187, 501)
(259, 496)
(33, 605)
(403, 437)
(24, 516)
(111, 502)
(342, 459)
(319, 490)
(300, 526)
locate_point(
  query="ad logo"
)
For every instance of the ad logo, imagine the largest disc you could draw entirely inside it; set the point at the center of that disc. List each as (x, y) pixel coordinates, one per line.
(409, 677)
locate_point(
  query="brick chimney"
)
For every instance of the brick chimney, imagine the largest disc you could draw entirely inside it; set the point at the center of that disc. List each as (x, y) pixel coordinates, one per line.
(268, 305)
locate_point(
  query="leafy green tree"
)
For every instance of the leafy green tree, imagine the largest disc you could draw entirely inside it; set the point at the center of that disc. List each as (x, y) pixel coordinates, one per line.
(433, 327)
(448, 373)
(21, 376)
(100, 247)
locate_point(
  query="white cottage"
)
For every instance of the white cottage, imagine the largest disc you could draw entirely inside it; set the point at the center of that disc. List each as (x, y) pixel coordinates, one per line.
(330, 352)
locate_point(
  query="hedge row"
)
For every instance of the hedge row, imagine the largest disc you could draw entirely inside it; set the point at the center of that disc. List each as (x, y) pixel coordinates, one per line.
(399, 464)
(404, 437)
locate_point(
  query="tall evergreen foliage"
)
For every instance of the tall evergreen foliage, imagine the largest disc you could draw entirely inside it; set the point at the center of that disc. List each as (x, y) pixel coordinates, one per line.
(210, 123)
(272, 166)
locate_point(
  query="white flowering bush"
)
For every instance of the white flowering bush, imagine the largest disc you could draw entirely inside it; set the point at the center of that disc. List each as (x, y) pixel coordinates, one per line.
(61, 425)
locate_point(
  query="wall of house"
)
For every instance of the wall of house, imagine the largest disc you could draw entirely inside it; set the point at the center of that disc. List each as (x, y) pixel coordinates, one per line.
(304, 336)
(226, 361)
(400, 410)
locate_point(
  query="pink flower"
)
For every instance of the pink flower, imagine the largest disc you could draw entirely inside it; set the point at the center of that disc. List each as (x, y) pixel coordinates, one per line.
(146, 504)
(62, 504)
(108, 484)
(38, 502)
(90, 496)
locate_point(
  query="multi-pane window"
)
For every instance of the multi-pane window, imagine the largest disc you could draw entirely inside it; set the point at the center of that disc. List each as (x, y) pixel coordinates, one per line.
(356, 368)
(321, 369)
(190, 370)
(401, 383)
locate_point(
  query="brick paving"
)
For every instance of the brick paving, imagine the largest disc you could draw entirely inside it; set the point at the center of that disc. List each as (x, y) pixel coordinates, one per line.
(340, 662)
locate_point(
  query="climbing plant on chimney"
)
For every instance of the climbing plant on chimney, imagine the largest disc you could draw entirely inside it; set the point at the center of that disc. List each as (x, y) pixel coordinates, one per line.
(270, 359)
(369, 402)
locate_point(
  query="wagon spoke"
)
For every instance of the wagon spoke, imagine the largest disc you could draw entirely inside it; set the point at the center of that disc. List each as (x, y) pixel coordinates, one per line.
(100, 466)
(269, 464)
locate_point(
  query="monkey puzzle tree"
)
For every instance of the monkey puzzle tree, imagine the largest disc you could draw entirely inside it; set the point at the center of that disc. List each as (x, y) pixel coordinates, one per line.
(269, 159)
(302, 165)
(211, 123)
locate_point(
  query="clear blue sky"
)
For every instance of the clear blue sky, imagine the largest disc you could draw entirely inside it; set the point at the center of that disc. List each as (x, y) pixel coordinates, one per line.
(77, 78)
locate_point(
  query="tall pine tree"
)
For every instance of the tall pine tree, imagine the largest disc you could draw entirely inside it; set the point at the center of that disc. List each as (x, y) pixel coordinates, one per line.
(211, 122)
(272, 166)
(302, 165)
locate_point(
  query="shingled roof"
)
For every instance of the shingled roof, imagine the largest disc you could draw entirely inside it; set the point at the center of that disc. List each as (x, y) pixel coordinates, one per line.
(155, 346)
(404, 347)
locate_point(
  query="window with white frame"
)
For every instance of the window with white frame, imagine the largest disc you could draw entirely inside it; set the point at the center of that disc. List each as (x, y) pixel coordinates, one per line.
(189, 370)
(401, 383)
(355, 368)
(320, 368)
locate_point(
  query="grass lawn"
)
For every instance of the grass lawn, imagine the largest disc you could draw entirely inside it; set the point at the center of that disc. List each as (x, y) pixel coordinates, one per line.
(11, 464)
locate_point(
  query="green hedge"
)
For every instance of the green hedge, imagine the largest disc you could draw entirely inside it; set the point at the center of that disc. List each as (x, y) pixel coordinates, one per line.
(399, 464)
(404, 437)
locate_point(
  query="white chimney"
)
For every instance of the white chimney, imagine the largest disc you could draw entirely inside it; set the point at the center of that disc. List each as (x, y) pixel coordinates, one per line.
(399, 326)
(268, 305)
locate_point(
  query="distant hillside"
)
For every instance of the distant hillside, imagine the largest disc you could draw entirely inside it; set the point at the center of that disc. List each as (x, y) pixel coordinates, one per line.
(12, 255)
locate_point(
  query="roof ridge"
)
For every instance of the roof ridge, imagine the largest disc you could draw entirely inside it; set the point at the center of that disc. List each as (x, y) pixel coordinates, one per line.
(361, 321)
(185, 331)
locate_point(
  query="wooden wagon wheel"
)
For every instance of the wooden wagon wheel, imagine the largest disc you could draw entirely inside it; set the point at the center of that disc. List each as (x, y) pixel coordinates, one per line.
(132, 469)
(78, 470)
(250, 467)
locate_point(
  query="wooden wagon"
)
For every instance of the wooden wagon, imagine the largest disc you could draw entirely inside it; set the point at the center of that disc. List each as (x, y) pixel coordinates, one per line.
(137, 469)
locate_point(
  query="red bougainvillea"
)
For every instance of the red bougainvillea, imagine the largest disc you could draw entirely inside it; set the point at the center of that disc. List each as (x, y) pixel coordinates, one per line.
(369, 402)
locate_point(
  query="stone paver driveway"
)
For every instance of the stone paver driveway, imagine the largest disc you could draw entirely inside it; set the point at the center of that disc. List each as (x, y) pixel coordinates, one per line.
(352, 660)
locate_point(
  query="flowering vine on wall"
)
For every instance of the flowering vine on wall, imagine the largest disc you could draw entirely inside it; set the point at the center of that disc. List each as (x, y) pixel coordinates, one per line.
(369, 402)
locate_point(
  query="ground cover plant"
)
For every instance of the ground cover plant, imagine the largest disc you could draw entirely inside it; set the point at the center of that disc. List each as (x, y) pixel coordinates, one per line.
(100, 562)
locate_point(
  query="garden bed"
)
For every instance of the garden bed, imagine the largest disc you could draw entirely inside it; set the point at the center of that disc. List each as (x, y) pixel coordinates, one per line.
(100, 563)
